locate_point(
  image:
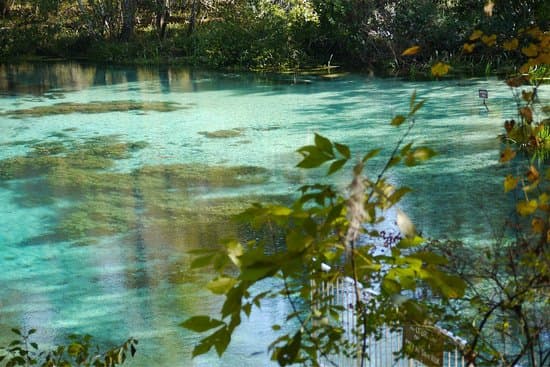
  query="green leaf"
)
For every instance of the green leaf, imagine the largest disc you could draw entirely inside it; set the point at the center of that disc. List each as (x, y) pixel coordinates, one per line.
(419, 155)
(324, 144)
(222, 339)
(234, 251)
(257, 272)
(525, 207)
(296, 241)
(395, 160)
(335, 213)
(201, 262)
(221, 285)
(313, 158)
(410, 242)
(398, 120)
(280, 211)
(247, 309)
(287, 354)
(405, 277)
(233, 301)
(390, 286)
(413, 99)
(371, 154)
(430, 258)
(449, 286)
(336, 166)
(74, 349)
(203, 347)
(398, 194)
(417, 107)
(343, 149)
(406, 149)
(200, 324)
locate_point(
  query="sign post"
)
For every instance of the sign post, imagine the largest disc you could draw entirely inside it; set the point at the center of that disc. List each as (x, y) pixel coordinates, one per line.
(484, 94)
(426, 344)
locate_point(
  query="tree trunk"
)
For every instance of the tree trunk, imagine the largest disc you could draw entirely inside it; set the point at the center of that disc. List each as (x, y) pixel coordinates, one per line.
(163, 17)
(128, 19)
(192, 17)
(4, 7)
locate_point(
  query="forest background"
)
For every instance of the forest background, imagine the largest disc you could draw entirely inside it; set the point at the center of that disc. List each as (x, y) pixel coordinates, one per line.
(269, 34)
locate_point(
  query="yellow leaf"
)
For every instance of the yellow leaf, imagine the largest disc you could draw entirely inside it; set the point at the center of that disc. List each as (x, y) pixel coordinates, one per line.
(530, 51)
(511, 45)
(489, 40)
(527, 96)
(531, 187)
(524, 69)
(510, 183)
(527, 114)
(525, 208)
(517, 81)
(476, 35)
(543, 198)
(507, 155)
(537, 225)
(440, 69)
(221, 285)
(532, 174)
(469, 47)
(535, 32)
(411, 51)
(488, 8)
(398, 120)
(543, 58)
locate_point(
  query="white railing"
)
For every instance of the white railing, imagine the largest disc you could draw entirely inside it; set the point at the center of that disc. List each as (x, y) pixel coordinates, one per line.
(381, 350)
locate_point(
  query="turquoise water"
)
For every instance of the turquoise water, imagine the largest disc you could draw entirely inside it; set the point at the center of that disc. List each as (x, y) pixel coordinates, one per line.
(77, 257)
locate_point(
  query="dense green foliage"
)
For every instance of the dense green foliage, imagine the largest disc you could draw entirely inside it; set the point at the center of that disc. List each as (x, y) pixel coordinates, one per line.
(261, 34)
(79, 351)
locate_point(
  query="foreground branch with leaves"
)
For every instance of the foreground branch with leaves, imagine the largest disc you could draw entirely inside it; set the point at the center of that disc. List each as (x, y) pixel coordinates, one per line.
(341, 229)
(79, 352)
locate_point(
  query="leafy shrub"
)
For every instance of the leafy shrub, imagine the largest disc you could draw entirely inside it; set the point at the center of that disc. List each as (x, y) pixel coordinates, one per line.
(78, 352)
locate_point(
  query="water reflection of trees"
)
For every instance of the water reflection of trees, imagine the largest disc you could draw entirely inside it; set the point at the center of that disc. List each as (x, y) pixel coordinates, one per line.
(38, 79)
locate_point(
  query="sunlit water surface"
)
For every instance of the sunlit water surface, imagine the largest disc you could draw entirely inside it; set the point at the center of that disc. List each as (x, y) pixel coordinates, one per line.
(71, 262)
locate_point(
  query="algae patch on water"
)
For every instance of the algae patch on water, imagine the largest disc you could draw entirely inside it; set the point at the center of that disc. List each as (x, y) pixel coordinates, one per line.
(90, 154)
(92, 199)
(65, 108)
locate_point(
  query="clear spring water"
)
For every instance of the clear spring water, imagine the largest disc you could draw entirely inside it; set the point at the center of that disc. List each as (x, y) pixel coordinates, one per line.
(136, 281)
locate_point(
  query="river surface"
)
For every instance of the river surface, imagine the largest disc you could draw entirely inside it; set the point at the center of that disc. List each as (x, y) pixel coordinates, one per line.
(109, 176)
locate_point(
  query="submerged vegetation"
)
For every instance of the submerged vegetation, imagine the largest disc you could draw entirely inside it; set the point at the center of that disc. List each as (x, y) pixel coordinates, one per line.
(107, 201)
(93, 107)
(222, 134)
